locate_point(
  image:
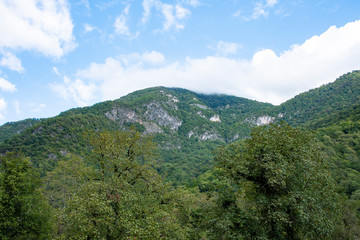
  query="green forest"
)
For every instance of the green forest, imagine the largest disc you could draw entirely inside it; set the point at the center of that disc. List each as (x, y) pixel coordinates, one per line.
(167, 163)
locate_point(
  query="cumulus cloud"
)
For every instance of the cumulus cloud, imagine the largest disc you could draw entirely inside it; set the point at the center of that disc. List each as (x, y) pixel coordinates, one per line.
(6, 85)
(172, 14)
(267, 76)
(41, 25)
(10, 61)
(77, 90)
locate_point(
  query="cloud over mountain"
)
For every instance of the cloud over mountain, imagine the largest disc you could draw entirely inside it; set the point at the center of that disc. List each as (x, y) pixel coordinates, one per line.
(267, 76)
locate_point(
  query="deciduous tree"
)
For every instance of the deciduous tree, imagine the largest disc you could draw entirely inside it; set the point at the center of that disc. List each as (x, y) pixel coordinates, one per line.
(280, 185)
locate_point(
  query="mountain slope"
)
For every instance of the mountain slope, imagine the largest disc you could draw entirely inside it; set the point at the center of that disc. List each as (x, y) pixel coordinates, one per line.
(340, 138)
(322, 101)
(186, 126)
(10, 129)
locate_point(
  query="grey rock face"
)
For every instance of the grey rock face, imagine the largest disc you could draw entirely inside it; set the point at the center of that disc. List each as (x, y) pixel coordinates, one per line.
(127, 115)
(199, 106)
(151, 128)
(207, 135)
(159, 115)
(122, 115)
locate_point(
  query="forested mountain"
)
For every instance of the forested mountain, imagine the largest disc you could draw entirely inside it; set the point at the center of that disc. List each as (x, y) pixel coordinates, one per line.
(231, 173)
(10, 129)
(320, 102)
(186, 126)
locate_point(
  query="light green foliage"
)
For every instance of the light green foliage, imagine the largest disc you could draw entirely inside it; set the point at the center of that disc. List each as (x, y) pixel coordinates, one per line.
(66, 180)
(126, 198)
(24, 212)
(280, 188)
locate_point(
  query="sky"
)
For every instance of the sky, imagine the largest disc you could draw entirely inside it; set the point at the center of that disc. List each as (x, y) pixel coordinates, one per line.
(61, 54)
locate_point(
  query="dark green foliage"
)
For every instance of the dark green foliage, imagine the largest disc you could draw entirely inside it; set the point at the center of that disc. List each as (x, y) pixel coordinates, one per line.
(10, 129)
(281, 186)
(24, 212)
(327, 99)
(52, 139)
(341, 143)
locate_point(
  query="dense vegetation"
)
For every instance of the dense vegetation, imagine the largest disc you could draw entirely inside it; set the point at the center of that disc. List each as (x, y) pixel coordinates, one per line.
(275, 185)
(177, 119)
(143, 167)
(320, 102)
(10, 129)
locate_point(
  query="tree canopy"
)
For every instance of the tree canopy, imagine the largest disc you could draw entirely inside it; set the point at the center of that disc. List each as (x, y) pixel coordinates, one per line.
(281, 188)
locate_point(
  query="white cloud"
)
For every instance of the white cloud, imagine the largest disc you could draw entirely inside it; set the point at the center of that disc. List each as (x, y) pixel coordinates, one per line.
(172, 14)
(261, 9)
(6, 85)
(267, 76)
(147, 6)
(56, 71)
(193, 3)
(41, 25)
(77, 90)
(153, 57)
(121, 23)
(227, 48)
(271, 3)
(88, 28)
(3, 106)
(10, 61)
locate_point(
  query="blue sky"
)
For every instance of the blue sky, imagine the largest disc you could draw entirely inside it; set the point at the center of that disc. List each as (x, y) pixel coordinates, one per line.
(59, 54)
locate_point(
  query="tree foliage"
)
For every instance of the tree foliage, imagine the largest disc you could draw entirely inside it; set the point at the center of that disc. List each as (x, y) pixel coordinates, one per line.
(24, 212)
(125, 198)
(281, 188)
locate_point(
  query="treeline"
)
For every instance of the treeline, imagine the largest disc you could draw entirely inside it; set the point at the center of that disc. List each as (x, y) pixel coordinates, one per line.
(277, 184)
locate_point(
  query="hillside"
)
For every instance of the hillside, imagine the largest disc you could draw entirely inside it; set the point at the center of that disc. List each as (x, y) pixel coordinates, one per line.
(320, 102)
(185, 125)
(340, 137)
(10, 129)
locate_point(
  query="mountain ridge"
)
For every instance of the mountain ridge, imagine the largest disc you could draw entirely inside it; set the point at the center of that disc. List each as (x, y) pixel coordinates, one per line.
(186, 125)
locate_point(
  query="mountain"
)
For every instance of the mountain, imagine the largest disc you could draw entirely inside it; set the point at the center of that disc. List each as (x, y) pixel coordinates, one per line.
(339, 134)
(320, 102)
(10, 129)
(187, 126)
